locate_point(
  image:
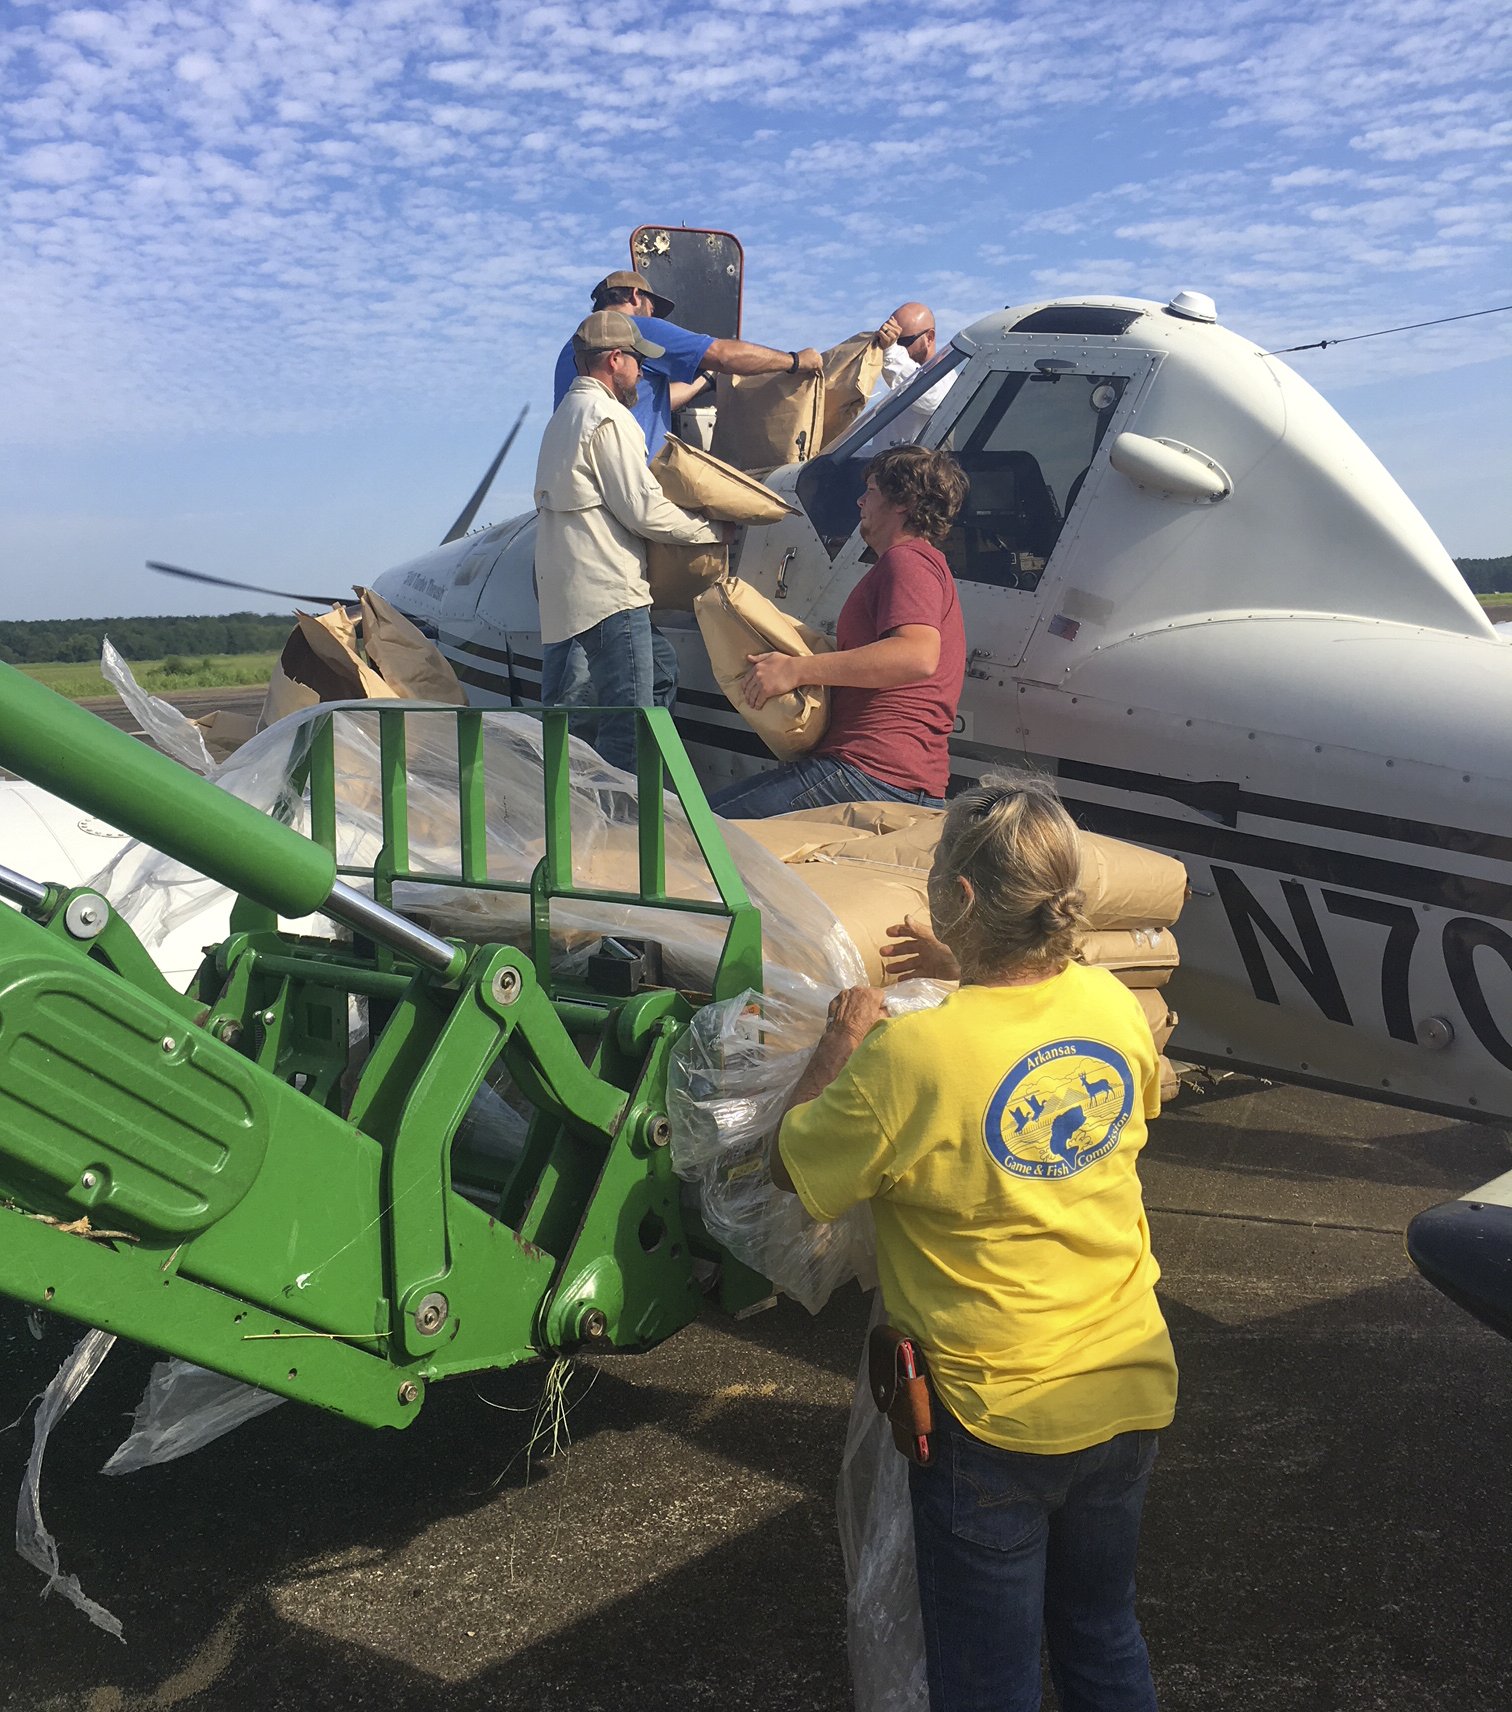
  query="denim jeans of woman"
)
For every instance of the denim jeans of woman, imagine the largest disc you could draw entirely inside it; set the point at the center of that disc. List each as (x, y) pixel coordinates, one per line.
(1012, 1545)
(812, 782)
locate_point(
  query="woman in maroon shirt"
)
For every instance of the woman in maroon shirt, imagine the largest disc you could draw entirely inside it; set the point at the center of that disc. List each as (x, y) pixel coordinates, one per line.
(899, 662)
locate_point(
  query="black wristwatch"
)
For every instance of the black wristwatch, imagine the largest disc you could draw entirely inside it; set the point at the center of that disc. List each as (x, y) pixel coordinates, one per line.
(793, 366)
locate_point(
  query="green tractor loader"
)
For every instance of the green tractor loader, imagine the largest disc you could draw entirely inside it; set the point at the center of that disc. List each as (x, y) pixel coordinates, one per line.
(218, 1175)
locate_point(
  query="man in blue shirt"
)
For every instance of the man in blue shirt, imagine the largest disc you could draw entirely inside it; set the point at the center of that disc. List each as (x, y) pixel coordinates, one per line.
(667, 383)
(674, 379)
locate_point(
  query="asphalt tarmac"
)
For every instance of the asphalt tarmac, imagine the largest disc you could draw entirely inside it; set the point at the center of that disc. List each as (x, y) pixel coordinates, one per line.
(1326, 1532)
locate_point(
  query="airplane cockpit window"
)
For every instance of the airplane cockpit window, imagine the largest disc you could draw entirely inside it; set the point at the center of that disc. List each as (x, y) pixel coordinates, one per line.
(829, 486)
(1025, 442)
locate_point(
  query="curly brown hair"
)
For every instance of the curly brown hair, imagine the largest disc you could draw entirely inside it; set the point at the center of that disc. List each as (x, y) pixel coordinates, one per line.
(930, 486)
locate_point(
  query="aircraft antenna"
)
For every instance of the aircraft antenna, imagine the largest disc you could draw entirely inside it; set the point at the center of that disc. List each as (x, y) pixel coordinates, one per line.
(1410, 327)
(470, 510)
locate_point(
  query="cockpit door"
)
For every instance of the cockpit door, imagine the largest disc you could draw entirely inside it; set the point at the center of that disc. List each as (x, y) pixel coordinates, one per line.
(1029, 438)
(701, 272)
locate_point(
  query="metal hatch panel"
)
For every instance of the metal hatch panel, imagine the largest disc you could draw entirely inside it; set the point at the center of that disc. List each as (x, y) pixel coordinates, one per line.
(701, 271)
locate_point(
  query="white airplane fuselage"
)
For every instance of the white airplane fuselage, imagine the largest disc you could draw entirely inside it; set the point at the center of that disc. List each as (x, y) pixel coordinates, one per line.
(1194, 596)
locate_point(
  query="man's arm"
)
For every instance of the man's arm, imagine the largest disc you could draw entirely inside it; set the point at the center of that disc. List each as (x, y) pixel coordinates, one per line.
(632, 496)
(735, 356)
(906, 655)
(852, 1016)
(681, 393)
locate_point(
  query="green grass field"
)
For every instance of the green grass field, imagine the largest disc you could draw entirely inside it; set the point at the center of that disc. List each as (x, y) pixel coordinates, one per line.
(1497, 605)
(160, 677)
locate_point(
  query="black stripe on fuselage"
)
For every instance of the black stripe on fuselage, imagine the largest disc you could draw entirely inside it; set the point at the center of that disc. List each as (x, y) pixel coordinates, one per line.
(1462, 893)
(1227, 800)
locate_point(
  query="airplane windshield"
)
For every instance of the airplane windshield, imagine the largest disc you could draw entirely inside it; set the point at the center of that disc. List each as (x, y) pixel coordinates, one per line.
(829, 486)
(870, 423)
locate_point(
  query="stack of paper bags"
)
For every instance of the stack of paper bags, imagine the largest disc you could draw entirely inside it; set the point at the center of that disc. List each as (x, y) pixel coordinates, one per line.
(870, 863)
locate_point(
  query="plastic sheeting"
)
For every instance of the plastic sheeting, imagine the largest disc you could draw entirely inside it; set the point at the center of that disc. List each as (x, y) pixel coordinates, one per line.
(732, 1075)
(731, 1078)
(807, 952)
(883, 1628)
(184, 1407)
(33, 1541)
(173, 732)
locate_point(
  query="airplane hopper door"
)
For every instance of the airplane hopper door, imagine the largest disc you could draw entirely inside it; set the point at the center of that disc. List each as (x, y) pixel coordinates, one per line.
(702, 272)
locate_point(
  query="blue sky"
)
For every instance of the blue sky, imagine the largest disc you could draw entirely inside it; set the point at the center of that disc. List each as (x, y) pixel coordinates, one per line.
(277, 276)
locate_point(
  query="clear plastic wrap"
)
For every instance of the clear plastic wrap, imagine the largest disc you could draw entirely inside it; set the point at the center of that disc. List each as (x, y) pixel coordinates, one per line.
(33, 1541)
(806, 951)
(883, 1629)
(184, 1407)
(173, 732)
(732, 1075)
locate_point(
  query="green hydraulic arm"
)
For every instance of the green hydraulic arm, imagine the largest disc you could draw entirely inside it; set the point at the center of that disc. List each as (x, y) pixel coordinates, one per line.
(216, 1175)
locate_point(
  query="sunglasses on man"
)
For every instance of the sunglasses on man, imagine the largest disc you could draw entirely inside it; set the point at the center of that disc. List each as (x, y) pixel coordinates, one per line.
(913, 338)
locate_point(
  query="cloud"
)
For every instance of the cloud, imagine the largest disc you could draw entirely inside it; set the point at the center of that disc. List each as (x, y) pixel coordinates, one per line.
(272, 211)
(58, 163)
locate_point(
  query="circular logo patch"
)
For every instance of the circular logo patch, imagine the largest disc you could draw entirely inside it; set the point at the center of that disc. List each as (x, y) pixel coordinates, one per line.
(1059, 1109)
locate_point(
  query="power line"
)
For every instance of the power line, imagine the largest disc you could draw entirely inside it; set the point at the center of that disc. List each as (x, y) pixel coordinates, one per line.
(1411, 326)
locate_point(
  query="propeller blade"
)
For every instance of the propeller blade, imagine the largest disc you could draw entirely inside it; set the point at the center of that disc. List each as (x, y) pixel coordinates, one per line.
(470, 510)
(251, 588)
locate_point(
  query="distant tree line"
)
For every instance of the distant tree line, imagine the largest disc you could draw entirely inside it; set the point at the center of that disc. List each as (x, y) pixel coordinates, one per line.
(1487, 576)
(36, 641)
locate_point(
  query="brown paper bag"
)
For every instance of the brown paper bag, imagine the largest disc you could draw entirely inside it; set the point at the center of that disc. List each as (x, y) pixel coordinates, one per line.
(679, 573)
(409, 663)
(736, 621)
(698, 481)
(765, 421)
(224, 731)
(319, 663)
(1129, 886)
(867, 902)
(1161, 1018)
(1140, 957)
(851, 370)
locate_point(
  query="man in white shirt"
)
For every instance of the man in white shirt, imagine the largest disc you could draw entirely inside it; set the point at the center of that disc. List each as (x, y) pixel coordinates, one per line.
(908, 337)
(599, 505)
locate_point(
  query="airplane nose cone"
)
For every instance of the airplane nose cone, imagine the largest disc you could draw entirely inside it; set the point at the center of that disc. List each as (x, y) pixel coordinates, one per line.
(1465, 1249)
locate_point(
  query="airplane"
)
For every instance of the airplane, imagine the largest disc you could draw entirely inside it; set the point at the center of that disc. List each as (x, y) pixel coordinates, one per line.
(1197, 600)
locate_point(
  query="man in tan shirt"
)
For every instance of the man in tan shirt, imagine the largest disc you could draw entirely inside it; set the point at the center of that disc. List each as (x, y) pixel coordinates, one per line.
(598, 506)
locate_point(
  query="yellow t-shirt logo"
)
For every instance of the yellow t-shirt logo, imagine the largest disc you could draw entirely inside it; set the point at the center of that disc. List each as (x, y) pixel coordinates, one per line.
(1061, 1108)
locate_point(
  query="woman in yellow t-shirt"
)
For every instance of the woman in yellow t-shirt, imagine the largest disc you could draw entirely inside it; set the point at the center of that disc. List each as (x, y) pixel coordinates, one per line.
(996, 1138)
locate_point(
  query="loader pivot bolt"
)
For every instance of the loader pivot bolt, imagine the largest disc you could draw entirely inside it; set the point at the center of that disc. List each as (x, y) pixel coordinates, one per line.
(88, 1180)
(659, 1132)
(169, 1043)
(506, 986)
(86, 916)
(431, 1315)
(409, 1392)
(270, 1017)
(593, 1324)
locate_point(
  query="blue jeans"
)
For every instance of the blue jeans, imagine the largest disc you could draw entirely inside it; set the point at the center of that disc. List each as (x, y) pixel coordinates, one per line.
(565, 680)
(813, 782)
(1010, 1543)
(620, 662)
